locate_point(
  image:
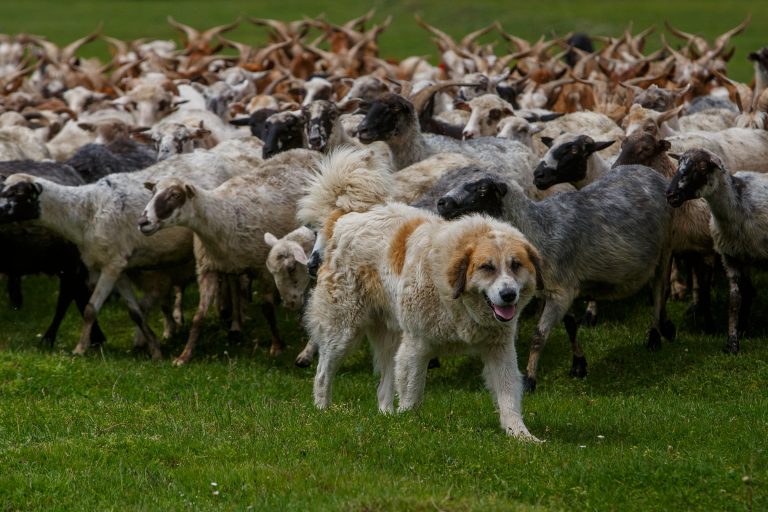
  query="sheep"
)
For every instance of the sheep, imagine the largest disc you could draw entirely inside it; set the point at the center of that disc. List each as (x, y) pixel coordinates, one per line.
(691, 236)
(604, 241)
(20, 143)
(94, 161)
(100, 218)
(32, 249)
(738, 224)
(596, 125)
(392, 119)
(322, 121)
(486, 113)
(739, 148)
(229, 223)
(518, 129)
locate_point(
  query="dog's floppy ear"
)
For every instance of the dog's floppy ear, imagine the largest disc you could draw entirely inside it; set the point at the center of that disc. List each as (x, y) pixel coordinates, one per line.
(533, 255)
(457, 276)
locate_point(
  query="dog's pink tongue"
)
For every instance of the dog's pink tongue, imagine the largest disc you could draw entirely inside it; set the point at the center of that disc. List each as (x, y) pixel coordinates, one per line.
(505, 312)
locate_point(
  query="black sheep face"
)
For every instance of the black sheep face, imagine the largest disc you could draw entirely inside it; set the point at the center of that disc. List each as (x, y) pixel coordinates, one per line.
(641, 148)
(384, 118)
(287, 132)
(695, 175)
(20, 201)
(481, 196)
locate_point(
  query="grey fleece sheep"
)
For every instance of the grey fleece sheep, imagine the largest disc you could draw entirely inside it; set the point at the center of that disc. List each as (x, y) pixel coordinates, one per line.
(604, 241)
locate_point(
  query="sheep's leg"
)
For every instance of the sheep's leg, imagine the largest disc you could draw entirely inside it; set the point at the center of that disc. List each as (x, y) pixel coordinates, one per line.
(733, 269)
(702, 290)
(590, 314)
(411, 363)
(385, 345)
(235, 333)
(678, 284)
(14, 290)
(555, 309)
(104, 286)
(81, 294)
(579, 364)
(662, 326)
(66, 295)
(208, 285)
(506, 385)
(747, 295)
(304, 359)
(277, 347)
(178, 306)
(223, 299)
(125, 288)
(332, 351)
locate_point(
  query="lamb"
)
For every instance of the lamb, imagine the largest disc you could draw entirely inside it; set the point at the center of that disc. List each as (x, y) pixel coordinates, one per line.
(738, 225)
(229, 223)
(99, 219)
(605, 251)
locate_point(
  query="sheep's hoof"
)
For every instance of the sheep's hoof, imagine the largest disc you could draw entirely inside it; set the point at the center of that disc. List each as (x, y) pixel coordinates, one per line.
(275, 350)
(654, 340)
(235, 336)
(588, 320)
(529, 384)
(180, 361)
(732, 346)
(578, 367)
(668, 330)
(303, 361)
(79, 351)
(433, 363)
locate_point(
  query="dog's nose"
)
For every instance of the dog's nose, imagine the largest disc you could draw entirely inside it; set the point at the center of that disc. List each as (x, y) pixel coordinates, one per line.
(508, 295)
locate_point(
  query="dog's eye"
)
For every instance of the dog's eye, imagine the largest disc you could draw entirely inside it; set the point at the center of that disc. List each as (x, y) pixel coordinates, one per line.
(514, 265)
(488, 267)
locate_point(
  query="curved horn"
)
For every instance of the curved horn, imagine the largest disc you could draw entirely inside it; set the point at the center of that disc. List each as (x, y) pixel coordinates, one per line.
(190, 33)
(722, 41)
(469, 39)
(445, 38)
(421, 98)
(220, 29)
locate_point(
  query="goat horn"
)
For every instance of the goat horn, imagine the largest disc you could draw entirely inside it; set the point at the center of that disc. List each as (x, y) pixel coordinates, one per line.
(220, 29)
(469, 39)
(421, 98)
(69, 51)
(190, 33)
(722, 41)
(445, 38)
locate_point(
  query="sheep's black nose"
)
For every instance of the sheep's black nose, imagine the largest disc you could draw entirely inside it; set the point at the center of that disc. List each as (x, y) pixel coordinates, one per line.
(508, 295)
(313, 265)
(446, 205)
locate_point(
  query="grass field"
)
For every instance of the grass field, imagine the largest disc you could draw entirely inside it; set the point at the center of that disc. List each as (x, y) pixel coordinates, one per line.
(681, 429)
(65, 21)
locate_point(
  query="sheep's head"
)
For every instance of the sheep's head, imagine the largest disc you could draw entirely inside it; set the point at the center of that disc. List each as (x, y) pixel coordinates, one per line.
(287, 262)
(19, 198)
(518, 129)
(385, 118)
(486, 113)
(170, 138)
(480, 196)
(164, 208)
(696, 176)
(642, 146)
(281, 132)
(566, 160)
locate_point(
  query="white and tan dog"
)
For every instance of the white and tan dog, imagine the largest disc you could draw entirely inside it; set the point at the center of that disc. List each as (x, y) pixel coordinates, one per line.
(416, 285)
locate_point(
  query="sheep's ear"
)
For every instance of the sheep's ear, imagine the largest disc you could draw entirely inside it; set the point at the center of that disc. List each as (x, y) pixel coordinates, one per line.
(599, 146)
(38, 187)
(664, 145)
(457, 277)
(676, 156)
(299, 255)
(270, 239)
(89, 127)
(547, 141)
(190, 190)
(462, 105)
(243, 121)
(149, 186)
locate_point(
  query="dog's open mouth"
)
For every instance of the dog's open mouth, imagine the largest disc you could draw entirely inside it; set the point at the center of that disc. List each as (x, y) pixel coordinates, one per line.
(502, 313)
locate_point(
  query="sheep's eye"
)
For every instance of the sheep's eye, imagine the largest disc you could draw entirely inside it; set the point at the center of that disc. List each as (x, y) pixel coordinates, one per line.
(495, 114)
(488, 267)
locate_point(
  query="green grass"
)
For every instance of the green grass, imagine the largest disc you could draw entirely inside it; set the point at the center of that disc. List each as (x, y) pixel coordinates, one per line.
(679, 429)
(683, 429)
(65, 21)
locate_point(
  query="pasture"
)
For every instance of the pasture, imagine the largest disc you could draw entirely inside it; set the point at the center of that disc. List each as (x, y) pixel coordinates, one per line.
(683, 428)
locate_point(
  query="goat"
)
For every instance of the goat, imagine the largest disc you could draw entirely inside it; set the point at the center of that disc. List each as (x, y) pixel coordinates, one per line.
(592, 242)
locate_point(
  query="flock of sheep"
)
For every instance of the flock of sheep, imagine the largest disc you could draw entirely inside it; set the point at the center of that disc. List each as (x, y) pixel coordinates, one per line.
(174, 162)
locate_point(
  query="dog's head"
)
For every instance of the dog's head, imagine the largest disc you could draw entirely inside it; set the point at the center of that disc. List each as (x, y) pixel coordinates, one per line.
(495, 271)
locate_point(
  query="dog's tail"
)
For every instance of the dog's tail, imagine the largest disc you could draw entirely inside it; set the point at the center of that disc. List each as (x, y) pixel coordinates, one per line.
(348, 179)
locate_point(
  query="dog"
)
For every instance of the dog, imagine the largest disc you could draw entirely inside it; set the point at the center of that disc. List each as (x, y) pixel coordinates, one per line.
(418, 287)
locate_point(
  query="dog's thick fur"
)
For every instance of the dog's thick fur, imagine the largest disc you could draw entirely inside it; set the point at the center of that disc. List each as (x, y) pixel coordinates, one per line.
(394, 272)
